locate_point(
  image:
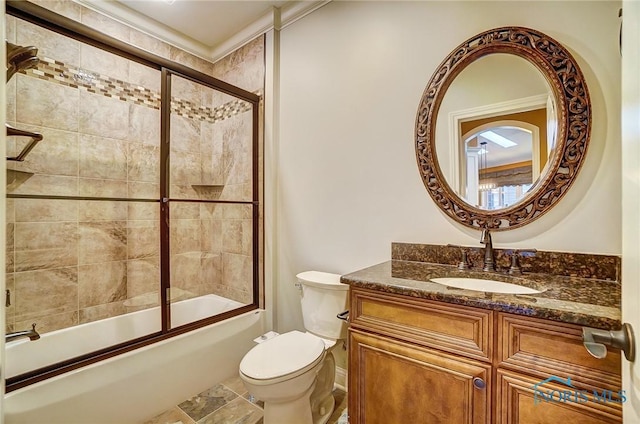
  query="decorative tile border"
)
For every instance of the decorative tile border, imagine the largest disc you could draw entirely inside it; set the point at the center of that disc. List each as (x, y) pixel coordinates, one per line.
(57, 72)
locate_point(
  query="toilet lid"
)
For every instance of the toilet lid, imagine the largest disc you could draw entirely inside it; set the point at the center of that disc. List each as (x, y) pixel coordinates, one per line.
(282, 355)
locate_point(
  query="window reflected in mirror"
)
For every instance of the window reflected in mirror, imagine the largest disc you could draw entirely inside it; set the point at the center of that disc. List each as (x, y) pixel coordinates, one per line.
(504, 156)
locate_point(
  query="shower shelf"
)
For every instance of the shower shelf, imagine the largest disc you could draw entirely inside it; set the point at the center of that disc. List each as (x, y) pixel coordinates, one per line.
(35, 139)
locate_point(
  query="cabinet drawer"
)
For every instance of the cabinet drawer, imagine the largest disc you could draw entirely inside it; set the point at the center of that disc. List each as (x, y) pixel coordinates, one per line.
(523, 400)
(544, 348)
(453, 328)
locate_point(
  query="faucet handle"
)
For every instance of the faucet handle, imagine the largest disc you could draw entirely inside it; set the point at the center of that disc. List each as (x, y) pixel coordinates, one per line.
(464, 264)
(515, 268)
(464, 260)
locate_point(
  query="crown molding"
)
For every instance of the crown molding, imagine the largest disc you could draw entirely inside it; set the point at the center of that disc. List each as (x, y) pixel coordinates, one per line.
(118, 12)
(273, 19)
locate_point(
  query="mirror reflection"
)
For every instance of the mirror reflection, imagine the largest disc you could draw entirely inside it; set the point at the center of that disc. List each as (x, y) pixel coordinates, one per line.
(496, 131)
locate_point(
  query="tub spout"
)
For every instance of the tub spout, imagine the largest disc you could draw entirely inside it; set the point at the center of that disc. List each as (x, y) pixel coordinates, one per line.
(31, 334)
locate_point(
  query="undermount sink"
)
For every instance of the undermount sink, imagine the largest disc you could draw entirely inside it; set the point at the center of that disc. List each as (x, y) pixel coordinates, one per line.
(480, 284)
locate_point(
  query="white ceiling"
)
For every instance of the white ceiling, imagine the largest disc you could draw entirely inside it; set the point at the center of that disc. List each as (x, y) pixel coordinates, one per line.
(208, 22)
(207, 28)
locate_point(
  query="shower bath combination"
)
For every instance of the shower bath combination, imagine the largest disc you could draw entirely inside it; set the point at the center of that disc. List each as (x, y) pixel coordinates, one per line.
(21, 58)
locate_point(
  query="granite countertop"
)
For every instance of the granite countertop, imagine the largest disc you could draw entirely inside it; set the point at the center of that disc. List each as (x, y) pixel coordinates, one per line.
(583, 301)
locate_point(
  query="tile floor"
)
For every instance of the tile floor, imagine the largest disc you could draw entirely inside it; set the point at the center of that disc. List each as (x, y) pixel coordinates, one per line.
(230, 403)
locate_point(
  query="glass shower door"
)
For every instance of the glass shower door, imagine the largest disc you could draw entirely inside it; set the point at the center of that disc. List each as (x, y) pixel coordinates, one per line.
(212, 202)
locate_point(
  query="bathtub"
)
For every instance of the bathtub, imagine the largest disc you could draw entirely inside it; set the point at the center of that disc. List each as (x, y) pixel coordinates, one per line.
(135, 386)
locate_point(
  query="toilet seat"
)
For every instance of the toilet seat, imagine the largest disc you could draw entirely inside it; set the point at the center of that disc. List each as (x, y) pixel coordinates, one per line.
(283, 357)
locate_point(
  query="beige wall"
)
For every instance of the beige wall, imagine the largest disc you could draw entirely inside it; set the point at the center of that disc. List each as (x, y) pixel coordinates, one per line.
(352, 74)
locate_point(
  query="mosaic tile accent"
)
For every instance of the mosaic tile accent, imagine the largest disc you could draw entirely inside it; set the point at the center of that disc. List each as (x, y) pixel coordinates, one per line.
(57, 72)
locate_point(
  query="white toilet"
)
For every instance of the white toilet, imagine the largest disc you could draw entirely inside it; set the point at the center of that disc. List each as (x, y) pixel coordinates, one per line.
(293, 373)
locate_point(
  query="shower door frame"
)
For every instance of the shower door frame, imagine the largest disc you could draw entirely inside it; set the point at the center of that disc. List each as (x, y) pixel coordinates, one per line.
(52, 21)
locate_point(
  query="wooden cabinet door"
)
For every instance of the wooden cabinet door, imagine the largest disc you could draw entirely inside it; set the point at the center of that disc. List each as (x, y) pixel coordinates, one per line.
(392, 382)
(520, 400)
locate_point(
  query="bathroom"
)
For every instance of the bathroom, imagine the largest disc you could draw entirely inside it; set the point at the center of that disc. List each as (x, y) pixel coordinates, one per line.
(342, 83)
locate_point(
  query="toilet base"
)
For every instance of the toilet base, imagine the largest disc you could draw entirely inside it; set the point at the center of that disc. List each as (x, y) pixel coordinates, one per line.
(291, 412)
(322, 401)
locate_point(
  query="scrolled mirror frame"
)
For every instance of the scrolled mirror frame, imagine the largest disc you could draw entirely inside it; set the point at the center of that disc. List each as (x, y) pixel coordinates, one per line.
(574, 125)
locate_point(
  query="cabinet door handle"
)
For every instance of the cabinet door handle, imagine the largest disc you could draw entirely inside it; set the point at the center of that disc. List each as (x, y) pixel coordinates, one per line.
(343, 315)
(479, 383)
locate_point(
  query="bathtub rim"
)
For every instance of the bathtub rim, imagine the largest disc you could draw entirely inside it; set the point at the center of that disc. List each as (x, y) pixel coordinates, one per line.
(60, 368)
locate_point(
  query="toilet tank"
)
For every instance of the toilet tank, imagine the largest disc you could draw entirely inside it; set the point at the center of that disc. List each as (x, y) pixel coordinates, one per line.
(323, 297)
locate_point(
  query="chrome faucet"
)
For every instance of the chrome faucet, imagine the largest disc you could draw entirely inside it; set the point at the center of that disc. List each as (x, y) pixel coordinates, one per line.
(31, 334)
(489, 261)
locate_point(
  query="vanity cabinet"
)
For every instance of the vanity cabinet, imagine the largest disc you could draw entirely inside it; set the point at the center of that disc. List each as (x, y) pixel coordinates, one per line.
(414, 360)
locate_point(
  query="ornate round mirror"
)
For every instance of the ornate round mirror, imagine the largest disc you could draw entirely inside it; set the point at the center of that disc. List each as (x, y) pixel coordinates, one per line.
(502, 128)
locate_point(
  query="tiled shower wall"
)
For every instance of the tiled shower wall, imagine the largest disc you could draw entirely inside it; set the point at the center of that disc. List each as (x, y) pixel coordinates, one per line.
(70, 261)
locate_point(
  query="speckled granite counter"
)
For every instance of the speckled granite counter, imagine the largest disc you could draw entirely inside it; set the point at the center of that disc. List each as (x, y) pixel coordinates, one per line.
(582, 301)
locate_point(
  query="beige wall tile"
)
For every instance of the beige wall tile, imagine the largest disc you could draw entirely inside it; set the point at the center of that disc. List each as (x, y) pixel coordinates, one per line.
(103, 241)
(103, 116)
(211, 265)
(185, 58)
(94, 187)
(105, 24)
(10, 210)
(104, 63)
(185, 134)
(104, 158)
(66, 8)
(19, 182)
(236, 271)
(103, 210)
(184, 89)
(45, 245)
(10, 256)
(143, 276)
(46, 104)
(143, 239)
(185, 236)
(48, 323)
(56, 154)
(184, 210)
(179, 191)
(144, 125)
(103, 283)
(11, 99)
(45, 292)
(10, 29)
(211, 235)
(50, 44)
(98, 312)
(186, 271)
(150, 44)
(185, 168)
(46, 210)
(140, 190)
(244, 67)
(143, 211)
(232, 236)
(143, 163)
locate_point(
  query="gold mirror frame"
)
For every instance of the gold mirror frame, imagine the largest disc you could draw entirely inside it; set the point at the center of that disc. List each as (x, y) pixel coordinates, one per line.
(574, 126)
